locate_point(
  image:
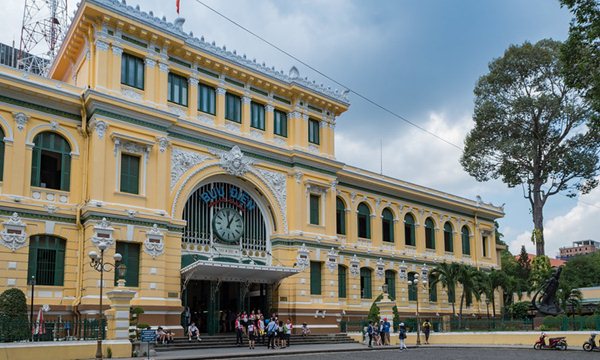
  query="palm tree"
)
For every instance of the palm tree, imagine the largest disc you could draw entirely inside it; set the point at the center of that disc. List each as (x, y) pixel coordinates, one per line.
(570, 297)
(493, 280)
(468, 278)
(447, 275)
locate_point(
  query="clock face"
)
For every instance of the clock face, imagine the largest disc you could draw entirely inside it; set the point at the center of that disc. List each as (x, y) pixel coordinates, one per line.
(228, 225)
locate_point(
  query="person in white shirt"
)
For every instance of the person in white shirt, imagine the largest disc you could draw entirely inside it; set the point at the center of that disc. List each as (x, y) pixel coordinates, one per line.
(193, 332)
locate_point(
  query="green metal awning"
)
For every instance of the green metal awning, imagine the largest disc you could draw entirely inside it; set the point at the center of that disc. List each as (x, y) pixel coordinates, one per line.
(226, 271)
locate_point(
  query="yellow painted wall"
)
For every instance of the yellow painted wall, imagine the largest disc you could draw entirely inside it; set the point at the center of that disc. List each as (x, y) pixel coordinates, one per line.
(63, 350)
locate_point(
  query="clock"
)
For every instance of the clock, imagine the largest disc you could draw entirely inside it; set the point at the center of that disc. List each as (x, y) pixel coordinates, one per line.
(228, 225)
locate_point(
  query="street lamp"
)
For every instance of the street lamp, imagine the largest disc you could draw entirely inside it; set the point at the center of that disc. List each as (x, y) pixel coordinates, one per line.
(98, 264)
(415, 281)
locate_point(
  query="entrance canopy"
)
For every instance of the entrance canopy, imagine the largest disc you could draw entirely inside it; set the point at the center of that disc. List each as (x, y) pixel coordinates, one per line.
(215, 270)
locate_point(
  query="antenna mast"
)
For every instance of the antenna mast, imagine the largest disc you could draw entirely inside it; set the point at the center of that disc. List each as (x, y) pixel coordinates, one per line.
(44, 26)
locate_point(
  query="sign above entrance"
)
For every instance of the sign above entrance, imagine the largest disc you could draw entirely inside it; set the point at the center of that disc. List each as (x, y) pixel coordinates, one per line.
(234, 196)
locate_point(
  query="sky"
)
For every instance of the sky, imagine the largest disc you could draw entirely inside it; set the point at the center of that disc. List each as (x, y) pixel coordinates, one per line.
(420, 59)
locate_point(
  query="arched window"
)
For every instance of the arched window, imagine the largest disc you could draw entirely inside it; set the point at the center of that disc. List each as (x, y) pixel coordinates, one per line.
(46, 260)
(1, 154)
(365, 283)
(340, 216)
(466, 244)
(448, 238)
(51, 162)
(387, 224)
(342, 279)
(390, 281)
(432, 289)
(409, 230)
(412, 287)
(429, 234)
(364, 221)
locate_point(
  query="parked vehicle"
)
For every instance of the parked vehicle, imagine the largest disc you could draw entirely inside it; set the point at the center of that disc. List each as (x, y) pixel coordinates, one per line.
(590, 344)
(557, 343)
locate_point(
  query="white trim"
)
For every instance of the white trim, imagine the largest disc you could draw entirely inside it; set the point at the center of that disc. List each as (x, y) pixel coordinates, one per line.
(9, 132)
(61, 344)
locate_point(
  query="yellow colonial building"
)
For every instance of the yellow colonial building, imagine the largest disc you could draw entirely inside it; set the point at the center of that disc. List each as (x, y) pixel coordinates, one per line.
(216, 179)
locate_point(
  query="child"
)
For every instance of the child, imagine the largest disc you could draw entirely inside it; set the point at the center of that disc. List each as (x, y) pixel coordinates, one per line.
(305, 329)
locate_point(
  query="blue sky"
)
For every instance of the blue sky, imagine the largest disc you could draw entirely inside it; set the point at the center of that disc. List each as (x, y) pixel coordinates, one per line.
(420, 59)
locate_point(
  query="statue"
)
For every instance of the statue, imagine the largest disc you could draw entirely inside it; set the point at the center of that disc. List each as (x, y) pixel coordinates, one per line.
(548, 304)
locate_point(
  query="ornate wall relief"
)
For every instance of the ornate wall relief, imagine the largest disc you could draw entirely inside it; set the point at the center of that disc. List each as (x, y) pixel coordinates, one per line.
(13, 236)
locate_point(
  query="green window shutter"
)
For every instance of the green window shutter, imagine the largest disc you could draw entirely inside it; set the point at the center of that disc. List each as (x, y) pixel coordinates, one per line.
(484, 245)
(364, 221)
(206, 99)
(365, 279)
(429, 234)
(124, 68)
(315, 278)
(32, 262)
(390, 280)
(233, 107)
(432, 292)
(466, 245)
(409, 230)
(313, 131)
(340, 214)
(412, 288)
(35, 166)
(131, 259)
(387, 225)
(257, 116)
(59, 269)
(280, 123)
(130, 173)
(341, 281)
(65, 174)
(1, 155)
(448, 238)
(314, 209)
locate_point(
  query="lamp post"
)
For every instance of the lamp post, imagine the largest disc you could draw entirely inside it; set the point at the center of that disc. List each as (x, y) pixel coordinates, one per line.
(415, 281)
(98, 264)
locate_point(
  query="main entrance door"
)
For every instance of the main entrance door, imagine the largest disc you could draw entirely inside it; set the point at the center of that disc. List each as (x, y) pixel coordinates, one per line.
(215, 304)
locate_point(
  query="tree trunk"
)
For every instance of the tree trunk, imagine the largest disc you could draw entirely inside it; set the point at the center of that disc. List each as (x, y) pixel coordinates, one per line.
(462, 299)
(493, 304)
(538, 222)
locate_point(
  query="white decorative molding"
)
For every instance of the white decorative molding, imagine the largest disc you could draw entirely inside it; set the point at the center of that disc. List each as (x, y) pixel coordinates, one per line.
(150, 63)
(221, 91)
(154, 243)
(313, 148)
(279, 141)
(163, 67)
(234, 161)
(402, 270)
(206, 119)
(101, 45)
(380, 268)
(117, 50)
(354, 266)
(182, 161)
(132, 94)
(303, 259)
(193, 82)
(57, 128)
(332, 260)
(99, 126)
(276, 182)
(163, 143)
(21, 119)
(233, 127)
(13, 235)
(246, 100)
(177, 110)
(103, 234)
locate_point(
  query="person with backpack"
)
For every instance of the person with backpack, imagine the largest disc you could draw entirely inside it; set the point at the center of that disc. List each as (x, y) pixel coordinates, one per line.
(385, 331)
(370, 333)
(402, 335)
(426, 330)
(271, 332)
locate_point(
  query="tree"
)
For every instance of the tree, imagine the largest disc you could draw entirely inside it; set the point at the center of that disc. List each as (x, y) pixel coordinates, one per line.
(532, 130)
(540, 272)
(489, 283)
(447, 275)
(580, 53)
(468, 279)
(524, 270)
(499, 235)
(582, 271)
(13, 315)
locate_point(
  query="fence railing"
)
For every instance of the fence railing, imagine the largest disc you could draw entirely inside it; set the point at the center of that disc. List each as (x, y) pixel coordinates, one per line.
(12, 330)
(576, 323)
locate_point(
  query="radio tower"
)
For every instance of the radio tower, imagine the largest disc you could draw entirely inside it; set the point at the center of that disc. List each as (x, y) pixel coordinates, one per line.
(44, 26)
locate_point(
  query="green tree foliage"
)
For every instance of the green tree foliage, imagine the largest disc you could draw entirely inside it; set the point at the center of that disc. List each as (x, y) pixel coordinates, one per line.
(447, 275)
(569, 298)
(532, 130)
(581, 271)
(468, 277)
(581, 53)
(499, 235)
(13, 315)
(524, 270)
(520, 310)
(540, 272)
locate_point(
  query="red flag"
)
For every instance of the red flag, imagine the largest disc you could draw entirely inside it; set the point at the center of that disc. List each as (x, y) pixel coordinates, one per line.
(177, 5)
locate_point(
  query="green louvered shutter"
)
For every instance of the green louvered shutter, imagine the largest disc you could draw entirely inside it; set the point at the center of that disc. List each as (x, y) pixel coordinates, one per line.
(131, 259)
(341, 281)
(315, 278)
(32, 262)
(59, 267)
(35, 166)
(65, 173)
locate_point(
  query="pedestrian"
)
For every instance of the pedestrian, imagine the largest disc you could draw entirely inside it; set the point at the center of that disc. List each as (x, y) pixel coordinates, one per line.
(239, 331)
(370, 333)
(187, 318)
(251, 334)
(426, 330)
(281, 334)
(377, 333)
(402, 335)
(244, 321)
(386, 331)
(305, 329)
(271, 333)
(288, 331)
(261, 329)
(193, 332)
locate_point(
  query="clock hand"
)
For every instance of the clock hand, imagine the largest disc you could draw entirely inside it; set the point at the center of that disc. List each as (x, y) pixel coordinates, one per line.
(229, 222)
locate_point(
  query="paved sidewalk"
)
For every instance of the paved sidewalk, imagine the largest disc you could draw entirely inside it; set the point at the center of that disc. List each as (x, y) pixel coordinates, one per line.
(261, 351)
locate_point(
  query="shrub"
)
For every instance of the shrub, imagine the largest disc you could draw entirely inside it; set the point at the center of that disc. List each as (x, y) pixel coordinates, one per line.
(14, 324)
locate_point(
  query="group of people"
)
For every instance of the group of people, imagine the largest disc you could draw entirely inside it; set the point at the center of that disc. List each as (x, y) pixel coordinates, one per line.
(379, 333)
(272, 331)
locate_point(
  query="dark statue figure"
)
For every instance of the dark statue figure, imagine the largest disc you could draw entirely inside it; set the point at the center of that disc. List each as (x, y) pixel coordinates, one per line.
(544, 299)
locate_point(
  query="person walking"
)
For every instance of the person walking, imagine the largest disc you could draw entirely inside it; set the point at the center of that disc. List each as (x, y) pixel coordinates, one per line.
(370, 333)
(402, 335)
(288, 331)
(386, 331)
(271, 333)
(261, 329)
(426, 330)
(251, 334)
(239, 331)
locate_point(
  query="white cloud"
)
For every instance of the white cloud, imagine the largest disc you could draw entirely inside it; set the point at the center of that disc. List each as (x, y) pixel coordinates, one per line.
(579, 223)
